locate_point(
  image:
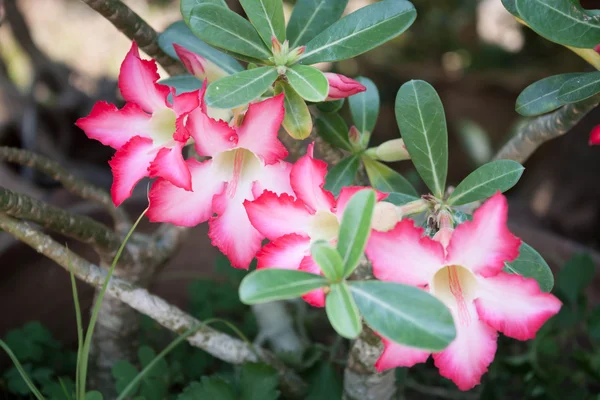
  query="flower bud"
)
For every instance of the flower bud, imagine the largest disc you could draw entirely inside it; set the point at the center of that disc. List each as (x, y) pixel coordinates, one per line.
(595, 135)
(355, 138)
(341, 86)
(385, 216)
(199, 66)
(392, 150)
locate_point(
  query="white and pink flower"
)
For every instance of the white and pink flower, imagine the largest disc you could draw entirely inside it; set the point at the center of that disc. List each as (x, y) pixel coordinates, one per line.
(244, 161)
(148, 133)
(292, 224)
(341, 86)
(464, 269)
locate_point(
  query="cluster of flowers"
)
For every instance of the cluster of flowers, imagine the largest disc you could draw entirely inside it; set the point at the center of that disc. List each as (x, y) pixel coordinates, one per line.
(247, 192)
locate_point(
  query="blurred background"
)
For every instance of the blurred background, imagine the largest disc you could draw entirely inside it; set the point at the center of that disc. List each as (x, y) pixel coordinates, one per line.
(58, 57)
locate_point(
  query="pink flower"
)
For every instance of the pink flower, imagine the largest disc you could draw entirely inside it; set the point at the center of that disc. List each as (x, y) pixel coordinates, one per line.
(291, 224)
(243, 162)
(199, 66)
(595, 136)
(467, 276)
(148, 133)
(341, 86)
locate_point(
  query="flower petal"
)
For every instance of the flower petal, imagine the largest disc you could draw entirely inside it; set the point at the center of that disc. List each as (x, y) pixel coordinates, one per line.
(275, 216)
(259, 129)
(113, 127)
(211, 137)
(514, 305)
(595, 136)
(169, 164)
(397, 355)
(130, 164)
(274, 178)
(467, 358)
(347, 192)
(315, 298)
(341, 86)
(231, 231)
(285, 252)
(137, 82)
(404, 255)
(484, 244)
(169, 203)
(185, 102)
(307, 179)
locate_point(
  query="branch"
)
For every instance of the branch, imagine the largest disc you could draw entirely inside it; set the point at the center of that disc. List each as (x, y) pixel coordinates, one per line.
(135, 28)
(69, 181)
(216, 343)
(543, 128)
(79, 227)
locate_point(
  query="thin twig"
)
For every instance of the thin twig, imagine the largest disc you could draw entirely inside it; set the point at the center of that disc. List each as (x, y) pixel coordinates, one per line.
(135, 28)
(79, 227)
(69, 181)
(543, 128)
(216, 343)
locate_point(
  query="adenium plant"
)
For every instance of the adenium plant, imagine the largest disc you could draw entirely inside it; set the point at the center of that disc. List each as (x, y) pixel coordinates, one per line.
(444, 287)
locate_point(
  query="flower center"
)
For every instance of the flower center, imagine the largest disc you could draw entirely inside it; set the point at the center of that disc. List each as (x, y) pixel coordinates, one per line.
(162, 125)
(324, 225)
(239, 167)
(456, 286)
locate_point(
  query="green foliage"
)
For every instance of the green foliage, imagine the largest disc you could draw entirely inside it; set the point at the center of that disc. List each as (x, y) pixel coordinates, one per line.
(385, 179)
(267, 18)
(334, 130)
(297, 120)
(187, 6)
(183, 83)
(342, 311)
(580, 87)
(239, 89)
(277, 284)
(575, 276)
(364, 106)
(311, 17)
(342, 174)
(542, 96)
(328, 259)
(531, 264)
(308, 82)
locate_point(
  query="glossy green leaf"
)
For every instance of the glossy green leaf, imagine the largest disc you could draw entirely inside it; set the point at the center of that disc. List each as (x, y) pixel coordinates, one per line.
(385, 179)
(182, 83)
(241, 88)
(360, 31)
(342, 311)
(405, 314)
(333, 129)
(186, 6)
(400, 199)
(331, 106)
(511, 7)
(531, 264)
(342, 174)
(179, 33)
(485, 181)
(272, 284)
(311, 17)
(328, 259)
(309, 82)
(542, 96)
(422, 122)
(561, 21)
(297, 121)
(222, 28)
(355, 228)
(580, 88)
(364, 106)
(267, 18)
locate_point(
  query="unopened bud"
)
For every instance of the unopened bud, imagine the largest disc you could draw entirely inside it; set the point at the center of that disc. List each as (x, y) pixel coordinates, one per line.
(341, 86)
(392, 150)
(355, 137)
(413, 207)
(275, 45)
(199, 66)
(295, 54)
(385, 216)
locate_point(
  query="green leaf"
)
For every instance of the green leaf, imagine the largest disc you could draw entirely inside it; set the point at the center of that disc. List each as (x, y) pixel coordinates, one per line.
(333, 129)
(239, 89)
(531, 264)
(560, 21)
(542, 96)
(209, 388)
(324, 383)
(342, 174)
(405, 314)
(297, 121)
(124, 372)
(331, 106)
(575, 276)
(311, 17)
(309, 82)
(364, 106)
(360, 31)
(222, 28)
(93, 395)
(400, 199)
(272, 284)
(511, 7)
(385, 179)
(179, 33)
(182, 83)
(580, 88)
(267, 18)
(328, 259)
(355, 228)
(422, 123)
(258, 382)
(186, 6)
(342, 311)
(485, 181)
